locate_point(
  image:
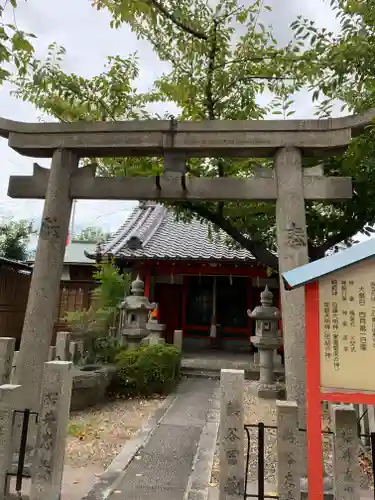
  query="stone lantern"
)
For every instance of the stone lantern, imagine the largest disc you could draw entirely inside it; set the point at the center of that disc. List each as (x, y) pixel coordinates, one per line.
(267, 339)
(155, 332)
(134, 313)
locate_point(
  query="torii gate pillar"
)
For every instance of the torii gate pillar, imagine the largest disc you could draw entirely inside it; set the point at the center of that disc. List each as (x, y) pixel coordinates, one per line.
(293, 252)
(45, 281)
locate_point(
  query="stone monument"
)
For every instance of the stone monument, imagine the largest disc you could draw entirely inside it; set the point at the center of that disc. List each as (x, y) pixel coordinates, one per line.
(267, 339)
(134, 313)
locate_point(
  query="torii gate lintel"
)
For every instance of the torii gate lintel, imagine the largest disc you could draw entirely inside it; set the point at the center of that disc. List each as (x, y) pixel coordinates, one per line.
(84, 185)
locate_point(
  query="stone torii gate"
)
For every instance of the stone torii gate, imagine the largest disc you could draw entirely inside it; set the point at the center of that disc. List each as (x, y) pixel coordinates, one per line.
(286, 141)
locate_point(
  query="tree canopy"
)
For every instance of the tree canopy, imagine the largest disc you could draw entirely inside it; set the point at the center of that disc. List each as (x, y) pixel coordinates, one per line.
(14, 237)
(91, 234)
(221, 58)
(16, 48)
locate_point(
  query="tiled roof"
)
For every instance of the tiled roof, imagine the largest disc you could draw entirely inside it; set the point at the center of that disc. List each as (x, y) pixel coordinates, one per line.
(22, 267)
(76, 252)
(152, 232)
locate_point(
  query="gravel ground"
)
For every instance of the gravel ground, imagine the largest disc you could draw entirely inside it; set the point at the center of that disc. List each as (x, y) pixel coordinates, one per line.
(258, 410)
(96, 435)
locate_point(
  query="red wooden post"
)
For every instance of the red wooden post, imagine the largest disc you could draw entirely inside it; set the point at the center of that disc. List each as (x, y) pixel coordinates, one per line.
(184, 303)
(313, 397)
(147, 281)
(250, 305)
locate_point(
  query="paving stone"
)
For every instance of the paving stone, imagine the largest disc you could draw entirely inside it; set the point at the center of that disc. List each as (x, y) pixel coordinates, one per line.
(165, 464)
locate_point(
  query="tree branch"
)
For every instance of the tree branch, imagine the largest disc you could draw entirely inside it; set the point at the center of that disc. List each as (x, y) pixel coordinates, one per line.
(256, 77)
(256, 248)
(346, 232)
(162, 10)
(210, 73)
(210, 101)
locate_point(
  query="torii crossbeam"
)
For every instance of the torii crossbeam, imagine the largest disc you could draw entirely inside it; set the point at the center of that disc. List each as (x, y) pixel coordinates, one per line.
(84, 185)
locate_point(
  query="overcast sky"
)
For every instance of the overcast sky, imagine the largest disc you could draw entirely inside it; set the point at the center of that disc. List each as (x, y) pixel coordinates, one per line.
(88, 38)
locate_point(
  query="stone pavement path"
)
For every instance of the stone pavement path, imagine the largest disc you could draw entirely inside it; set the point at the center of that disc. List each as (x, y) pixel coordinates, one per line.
(163, 467)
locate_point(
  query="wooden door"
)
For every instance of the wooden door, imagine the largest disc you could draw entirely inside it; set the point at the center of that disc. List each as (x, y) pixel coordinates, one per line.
(169, 298)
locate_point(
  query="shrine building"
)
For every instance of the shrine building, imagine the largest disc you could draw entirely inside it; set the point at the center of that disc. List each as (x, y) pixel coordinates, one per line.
(202, 285)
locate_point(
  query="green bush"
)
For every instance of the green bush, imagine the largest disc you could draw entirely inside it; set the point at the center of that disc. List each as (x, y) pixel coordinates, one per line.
(148, 370)
(104, 351)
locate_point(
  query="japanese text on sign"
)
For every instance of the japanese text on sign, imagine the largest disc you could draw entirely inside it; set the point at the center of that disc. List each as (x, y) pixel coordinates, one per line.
(347, 328)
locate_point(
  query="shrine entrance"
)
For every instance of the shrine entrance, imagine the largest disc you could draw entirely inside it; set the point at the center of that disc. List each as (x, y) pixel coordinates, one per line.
(288, 184)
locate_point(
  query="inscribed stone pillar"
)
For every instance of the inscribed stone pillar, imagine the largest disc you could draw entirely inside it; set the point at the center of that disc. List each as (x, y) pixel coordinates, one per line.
(10, 396)
(288, 450)
(41, 308)
(371, 418)
(52, 425)
(232, 467)
(345, 453)
(7, 345)
(292, 249)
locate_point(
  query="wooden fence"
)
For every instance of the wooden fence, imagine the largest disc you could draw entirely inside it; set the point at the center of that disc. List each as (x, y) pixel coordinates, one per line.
(74, 296)
(14, 291)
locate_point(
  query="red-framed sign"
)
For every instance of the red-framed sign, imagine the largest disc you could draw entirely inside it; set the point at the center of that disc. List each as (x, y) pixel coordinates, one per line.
(340, 351)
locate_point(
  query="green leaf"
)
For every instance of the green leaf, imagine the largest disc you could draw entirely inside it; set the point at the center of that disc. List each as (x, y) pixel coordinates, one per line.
(20, 43)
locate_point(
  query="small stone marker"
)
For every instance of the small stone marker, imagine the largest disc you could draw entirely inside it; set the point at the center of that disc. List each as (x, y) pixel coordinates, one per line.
(62, 346)
(52, 353)
(288, 451)
(52, 425)
(74, 352)
(81, 348)
(345, 455)
(178, 339)
(14, 362)
(7, 345)
(9, 401)
(232, 467)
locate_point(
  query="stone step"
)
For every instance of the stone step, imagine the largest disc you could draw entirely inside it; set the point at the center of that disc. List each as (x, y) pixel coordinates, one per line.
(191, 372)
(213, 372)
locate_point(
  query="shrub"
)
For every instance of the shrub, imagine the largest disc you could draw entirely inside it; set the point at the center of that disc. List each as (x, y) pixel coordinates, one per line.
(104, 350)
(148, 370)
(111, 288)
